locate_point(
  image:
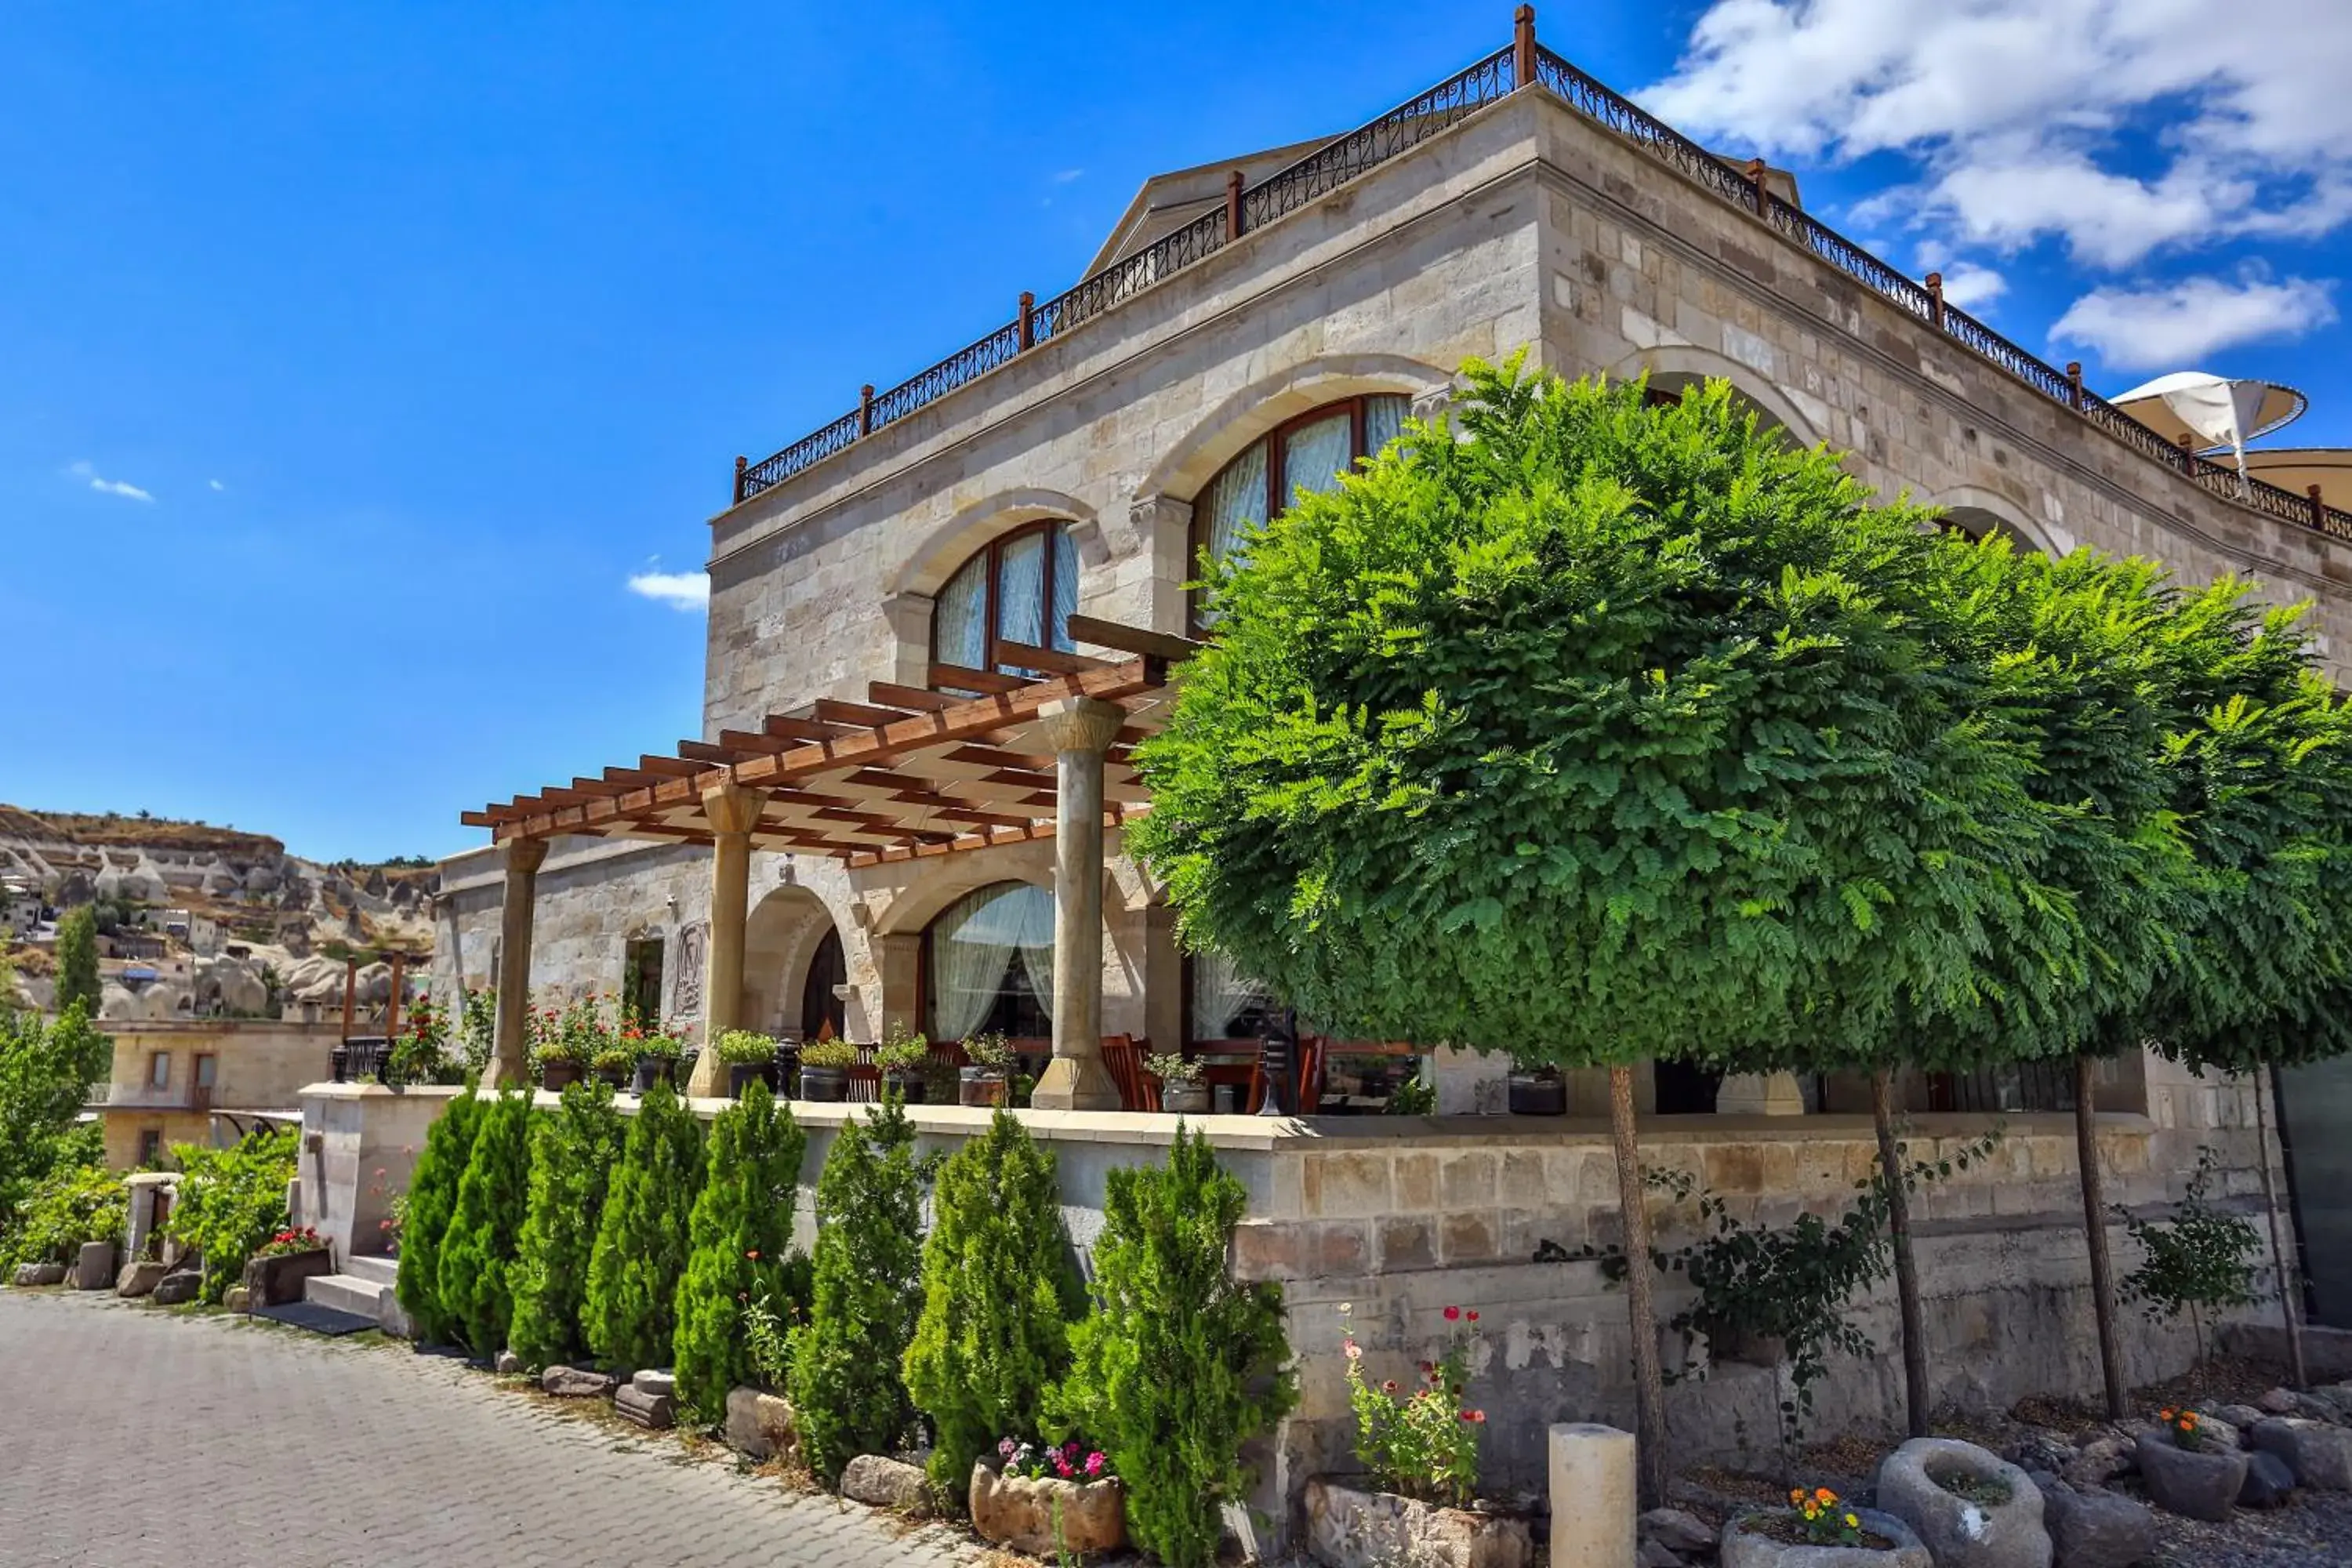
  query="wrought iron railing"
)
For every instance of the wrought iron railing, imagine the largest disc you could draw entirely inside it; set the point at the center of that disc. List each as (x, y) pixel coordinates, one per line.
(1337, 162)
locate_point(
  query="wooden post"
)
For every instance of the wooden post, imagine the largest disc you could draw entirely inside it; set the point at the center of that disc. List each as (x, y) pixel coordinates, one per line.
(351, 993)
(392, 1003)
(1523, 47)
(866, 409)
(1233, 204)
(741, 463)
(2189, 456)
(1028, 319)
(2075, 383)
(2318, 508)
(1758, 192)
(1935, 298)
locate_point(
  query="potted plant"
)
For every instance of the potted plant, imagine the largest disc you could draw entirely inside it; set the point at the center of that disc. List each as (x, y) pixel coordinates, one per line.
(1818, 1531)
(614, 1065)
(749, 1058)
(901, 1055)
(2186, 1472)
(1537, 1091)
(658, 1061)
(824, 1069)
(561, 1063)
(1180, 1089)
(1047, 1502)
(984, 1082)
(1421, 1446)
(274, 1274)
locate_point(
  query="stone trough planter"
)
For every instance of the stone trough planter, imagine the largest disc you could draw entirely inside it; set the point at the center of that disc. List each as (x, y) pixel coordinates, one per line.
(1349, 1527)
(2196, 1483)
(760, 1426)
(1971, 1508)
(276, 1281)
(1017, 1511)
(1745, 1547)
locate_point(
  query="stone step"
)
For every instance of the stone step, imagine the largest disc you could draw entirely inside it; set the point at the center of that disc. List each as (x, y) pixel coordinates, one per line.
(347, 1293)
(384, 1271)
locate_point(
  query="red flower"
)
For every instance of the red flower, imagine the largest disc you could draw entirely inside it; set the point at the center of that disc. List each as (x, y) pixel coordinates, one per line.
(754, 1255)
(1474, 1317)
(1452, 1313)
(1477, 1417)
(1389, 1386)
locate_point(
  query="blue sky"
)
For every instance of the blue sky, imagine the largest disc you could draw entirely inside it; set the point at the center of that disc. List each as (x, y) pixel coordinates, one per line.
(353, 360)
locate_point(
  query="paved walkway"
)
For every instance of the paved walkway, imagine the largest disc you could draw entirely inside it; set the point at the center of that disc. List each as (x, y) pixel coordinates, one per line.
(130, 1435)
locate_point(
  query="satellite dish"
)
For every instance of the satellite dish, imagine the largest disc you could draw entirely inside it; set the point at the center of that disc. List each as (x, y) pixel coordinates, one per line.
(2212, 413)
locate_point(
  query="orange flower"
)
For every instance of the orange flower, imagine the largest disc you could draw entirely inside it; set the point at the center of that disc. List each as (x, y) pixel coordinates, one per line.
(1823, 1495)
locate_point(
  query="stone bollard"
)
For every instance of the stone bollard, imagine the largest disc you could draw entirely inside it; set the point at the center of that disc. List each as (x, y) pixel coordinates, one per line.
(1593, 1489)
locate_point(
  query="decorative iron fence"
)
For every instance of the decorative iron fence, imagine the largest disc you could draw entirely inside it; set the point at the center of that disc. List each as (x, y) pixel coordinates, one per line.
(1524, 63)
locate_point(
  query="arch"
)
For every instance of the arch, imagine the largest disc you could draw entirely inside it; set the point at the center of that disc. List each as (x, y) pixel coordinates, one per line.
(1977, 512)
(780, 938)
(988, 964)
(1674, 365)
(949, 545)
(1242, 416)
(913, 906)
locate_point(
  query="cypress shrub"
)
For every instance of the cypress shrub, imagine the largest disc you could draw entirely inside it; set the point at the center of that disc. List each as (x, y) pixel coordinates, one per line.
(1000, 1290)
(1178, 1365)
(641, 1237)
(741, 1238)
(846, 1387)
(432, 1202)
(569, 1175)
(478, 1249)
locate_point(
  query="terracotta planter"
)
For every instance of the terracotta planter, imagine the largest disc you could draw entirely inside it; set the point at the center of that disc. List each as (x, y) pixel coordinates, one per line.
(556, 1077)
(827, 1085)
(276, 1281)
(742, 1076)
(1184, 1098)
(1348, 1527)
(1017, 1511)
(1538, 1094)
(1746, 1548)
(981, 1086)
(652, 1070)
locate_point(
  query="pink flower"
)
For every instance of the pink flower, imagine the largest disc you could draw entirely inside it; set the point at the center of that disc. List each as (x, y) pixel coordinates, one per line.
(1355, 1350)
(1389, 1386)
(1004, 1449)
(1094, 1464)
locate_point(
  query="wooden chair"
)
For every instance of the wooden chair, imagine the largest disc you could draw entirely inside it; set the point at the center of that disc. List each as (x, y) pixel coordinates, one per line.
(1123, 1055)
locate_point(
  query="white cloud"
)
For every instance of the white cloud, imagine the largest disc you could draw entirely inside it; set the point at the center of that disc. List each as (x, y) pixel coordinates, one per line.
(2176, 325)
(108, 487)
(683, 591)
(216, 485)
(2028, 116)
(1064, 176)
(1972, 287)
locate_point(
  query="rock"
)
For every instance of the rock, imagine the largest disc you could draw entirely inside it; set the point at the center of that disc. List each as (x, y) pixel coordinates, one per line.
(2099, 1461)
(139, 1277)
(174, 1289)
(507, 1364)
(658, 1385)
(1959, 1532)
(1351, 1528)
(574, 1383)
(1676, 1529)
(2325, 1404)
(1020, 1513)
(654, 1411)
(1744, 1547)
(2320, 1454)
(760, 1425)
(237, 1298)
(2218, 1433)
(2096, 1529)
(2241, 1416)
(1657, 1554)
(2039, 1451)
(2269, 1481)
(883, 1483)
(2278, 1402)
(32, 1274)
(2195, 1483)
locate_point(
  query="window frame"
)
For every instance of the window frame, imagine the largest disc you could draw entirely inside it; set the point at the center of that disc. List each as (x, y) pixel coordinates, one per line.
(1026, 1045)
(993, 553)
(1276, 439)
(159, 1069)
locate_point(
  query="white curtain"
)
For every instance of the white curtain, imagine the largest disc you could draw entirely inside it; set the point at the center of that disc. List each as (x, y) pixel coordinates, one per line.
(969, 956)
(1021, 590)
(1036, 910)
(1316, 455)
(1235, 502)
(1221, 994)
(959, 618)
(1066, 587)
(1383, 422)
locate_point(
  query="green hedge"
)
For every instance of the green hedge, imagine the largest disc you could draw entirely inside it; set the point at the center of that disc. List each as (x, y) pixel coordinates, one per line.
(577, 1150)
(630, 1314)
(742, 1238)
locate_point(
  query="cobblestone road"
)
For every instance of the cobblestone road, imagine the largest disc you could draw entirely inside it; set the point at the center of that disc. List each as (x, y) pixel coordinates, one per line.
(130, 1435)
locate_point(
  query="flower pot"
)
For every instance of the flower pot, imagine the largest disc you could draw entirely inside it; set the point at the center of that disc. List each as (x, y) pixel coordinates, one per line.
(339, 1061)
(556, 1077)
(829, 1085)
(652, 1070)
(276, 1281)
(1020, 1512)
(981, 1086)
(617, 1077)
(1538, 1094)
(1994, 1520)
(1349, 1527)
(742, 1076)
(907, 1085)
(1184, 1097)
(2196, 1483)
(1744, 1546)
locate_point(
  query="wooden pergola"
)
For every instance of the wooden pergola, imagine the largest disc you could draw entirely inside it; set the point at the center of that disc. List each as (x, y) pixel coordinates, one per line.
(972, 759)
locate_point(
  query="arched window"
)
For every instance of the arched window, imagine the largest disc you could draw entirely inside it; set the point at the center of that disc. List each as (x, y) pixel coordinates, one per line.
(1309, 453)
(988, 965)
(1224, 1003)
(1020, 589)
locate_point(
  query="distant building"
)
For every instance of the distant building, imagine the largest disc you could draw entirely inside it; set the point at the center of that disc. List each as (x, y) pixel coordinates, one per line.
(20, 908)
(206, 1081)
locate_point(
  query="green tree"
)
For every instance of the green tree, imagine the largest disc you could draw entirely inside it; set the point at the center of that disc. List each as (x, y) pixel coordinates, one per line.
(478, 1251)
(432, 1204)
(75, 1203)
(1000, 1291)
(569, 1175)
(231, 1202)
(866, 1289)
(741, 1238)
(46, 1072)
(1595, 732)
(77, 954)
(630, 1314)
(1178, 1365)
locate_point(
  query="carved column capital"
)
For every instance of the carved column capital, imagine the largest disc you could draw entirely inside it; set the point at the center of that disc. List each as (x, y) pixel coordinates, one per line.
(523, 855)
(1080, 724)
(732, 808)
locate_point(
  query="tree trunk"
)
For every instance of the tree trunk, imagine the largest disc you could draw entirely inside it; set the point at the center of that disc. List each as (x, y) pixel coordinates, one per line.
(2289, 1316)
(1641, 1310)
(2094, 1229)
(1916, 1397)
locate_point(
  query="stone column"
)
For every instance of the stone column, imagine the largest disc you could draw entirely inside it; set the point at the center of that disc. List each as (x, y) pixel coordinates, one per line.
(732, 811)
(1592, 1481)
(510, 1052)
(1080, 730)
(1760, 1094)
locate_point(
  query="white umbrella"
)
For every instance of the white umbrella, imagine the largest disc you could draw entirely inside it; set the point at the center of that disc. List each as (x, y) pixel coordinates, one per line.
(2297, 468)
(2214, 412)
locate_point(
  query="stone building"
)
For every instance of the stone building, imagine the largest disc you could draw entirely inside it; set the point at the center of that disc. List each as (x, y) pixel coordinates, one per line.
(203, 1081)
(859, 836)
